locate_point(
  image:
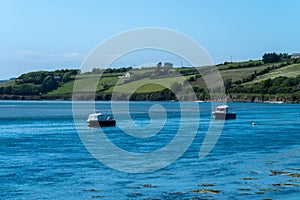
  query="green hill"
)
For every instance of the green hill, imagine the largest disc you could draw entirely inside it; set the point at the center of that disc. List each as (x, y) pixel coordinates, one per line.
(288, 71)
(243, 81)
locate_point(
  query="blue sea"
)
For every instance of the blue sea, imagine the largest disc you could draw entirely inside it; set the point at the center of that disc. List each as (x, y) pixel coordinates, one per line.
(43, 155)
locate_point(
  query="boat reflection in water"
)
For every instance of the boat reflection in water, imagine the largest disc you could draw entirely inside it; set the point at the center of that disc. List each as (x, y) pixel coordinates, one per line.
(222, 113)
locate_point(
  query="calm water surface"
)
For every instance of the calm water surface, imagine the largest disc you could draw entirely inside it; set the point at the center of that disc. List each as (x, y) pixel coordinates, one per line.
(42, 156)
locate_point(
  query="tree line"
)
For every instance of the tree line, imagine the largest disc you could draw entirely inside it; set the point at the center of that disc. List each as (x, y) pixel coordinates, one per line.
(37, 83)
(109, 70)
(278, 85)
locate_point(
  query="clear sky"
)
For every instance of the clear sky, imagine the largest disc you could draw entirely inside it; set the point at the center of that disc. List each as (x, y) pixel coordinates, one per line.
(54, 34)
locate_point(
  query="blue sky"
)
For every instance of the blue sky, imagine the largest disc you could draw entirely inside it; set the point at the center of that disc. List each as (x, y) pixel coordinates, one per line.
(45, 35)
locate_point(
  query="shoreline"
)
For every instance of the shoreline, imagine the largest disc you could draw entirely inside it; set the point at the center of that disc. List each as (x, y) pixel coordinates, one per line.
(197, 101)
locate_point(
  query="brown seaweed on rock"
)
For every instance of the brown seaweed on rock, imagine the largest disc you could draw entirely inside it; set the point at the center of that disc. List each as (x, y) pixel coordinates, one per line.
(248, 179)
(275, 173)
(285, 185)
(149, 186)
(207, 184)
(207, 191)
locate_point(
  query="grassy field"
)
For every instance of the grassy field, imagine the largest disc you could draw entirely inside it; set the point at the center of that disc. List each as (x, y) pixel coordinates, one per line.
(234, 74)
(149, 80)
(86, 82)
(148, 85)
(66, 89)
(7, 83)
(238, 74)
(236, 64)
(288, 71)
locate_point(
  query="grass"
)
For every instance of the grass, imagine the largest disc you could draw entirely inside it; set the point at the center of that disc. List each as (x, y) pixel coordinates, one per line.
(67, 88)
(148, 85)
(7, 83)
(235, 64)
(85, 83)
(288, 71)
(88, 82)
(238, 74)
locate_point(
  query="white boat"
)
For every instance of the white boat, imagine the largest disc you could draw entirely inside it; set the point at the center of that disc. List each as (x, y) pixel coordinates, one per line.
(222, 112)
(99, 120)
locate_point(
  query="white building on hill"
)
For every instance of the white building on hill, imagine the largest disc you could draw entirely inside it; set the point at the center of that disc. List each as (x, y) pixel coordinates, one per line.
(127, 75)
(295, 55)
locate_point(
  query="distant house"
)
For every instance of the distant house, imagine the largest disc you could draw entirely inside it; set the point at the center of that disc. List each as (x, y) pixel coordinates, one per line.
(127, 75)
(168, 64)
(295, 55)
(57, 78)
(19, 80)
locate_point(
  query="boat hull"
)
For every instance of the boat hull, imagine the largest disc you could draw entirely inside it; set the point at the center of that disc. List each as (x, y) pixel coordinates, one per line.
(224, 116)
(102, 123)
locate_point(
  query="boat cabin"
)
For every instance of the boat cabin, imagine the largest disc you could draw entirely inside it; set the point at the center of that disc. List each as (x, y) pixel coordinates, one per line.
(97, 119)
(222, 113)
(223, 108)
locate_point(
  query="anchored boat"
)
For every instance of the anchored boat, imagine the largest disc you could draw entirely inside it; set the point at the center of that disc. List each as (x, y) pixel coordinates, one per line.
(222, 113)
(99, 120)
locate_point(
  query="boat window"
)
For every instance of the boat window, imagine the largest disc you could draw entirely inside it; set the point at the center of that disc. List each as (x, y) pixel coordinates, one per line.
(222, 109)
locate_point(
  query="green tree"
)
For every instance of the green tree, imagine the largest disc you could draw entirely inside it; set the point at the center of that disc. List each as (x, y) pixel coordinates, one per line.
(7, 90)
(270, 57)
(66, 77)
(105, 86)
(26, 89)
(49, 84)
(34, 77)
(175, 87)
(227, 84)
(96, 71)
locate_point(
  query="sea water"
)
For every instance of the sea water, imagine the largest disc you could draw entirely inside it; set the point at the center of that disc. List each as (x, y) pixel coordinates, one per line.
(43, 157)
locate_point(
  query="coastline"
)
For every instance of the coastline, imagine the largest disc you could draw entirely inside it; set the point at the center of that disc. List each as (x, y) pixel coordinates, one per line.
(69, 98)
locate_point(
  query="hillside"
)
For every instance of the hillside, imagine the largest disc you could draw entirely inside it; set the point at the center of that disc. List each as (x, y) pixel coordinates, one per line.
(243, 81)
(288, 71)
